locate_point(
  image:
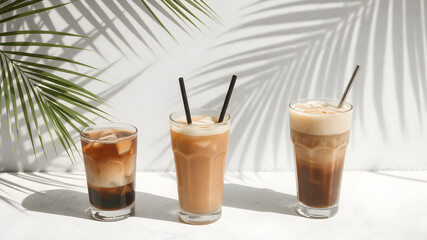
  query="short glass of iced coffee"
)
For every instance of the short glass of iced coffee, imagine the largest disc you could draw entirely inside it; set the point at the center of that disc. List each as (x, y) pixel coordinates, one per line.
(200, 150)
(109, 152)
(320, 133)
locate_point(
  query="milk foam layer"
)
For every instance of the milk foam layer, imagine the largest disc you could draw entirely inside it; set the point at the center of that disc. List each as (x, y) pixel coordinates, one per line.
(201, 126)
(320, 118)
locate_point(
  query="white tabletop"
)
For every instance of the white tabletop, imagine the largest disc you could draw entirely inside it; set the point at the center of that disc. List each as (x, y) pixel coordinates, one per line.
(373, 205)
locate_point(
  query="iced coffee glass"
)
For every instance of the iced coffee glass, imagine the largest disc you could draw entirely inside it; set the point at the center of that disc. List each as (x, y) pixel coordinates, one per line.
(200, 151)
(320, 133)
(109, 152)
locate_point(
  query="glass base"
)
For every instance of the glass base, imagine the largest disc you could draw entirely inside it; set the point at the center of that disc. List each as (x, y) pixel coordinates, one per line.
(112, 215)
(200, 218)
(310, 212)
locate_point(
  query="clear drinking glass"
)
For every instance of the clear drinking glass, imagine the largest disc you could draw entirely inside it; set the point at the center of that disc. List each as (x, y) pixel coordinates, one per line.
(320, 137)
(200, 151)
(109, 152)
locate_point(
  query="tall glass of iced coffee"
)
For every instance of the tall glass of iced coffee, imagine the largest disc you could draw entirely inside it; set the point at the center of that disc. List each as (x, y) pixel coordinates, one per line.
(320, 133)
(200, 151)
(109, 152)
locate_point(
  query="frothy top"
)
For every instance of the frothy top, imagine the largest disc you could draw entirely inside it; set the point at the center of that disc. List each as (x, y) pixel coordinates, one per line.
(320, 118)
(201, 126)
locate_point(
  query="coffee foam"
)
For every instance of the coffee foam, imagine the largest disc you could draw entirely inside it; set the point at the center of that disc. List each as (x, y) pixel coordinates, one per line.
(201, 126)
(320, 118)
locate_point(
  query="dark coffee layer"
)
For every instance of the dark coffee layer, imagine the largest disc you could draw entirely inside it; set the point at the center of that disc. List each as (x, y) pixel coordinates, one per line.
(113, 198)
(319, 165)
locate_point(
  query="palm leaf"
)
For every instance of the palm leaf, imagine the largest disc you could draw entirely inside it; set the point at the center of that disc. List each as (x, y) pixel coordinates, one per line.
(11, 6)
(177, 8)
(14, 33)
(24, 110)
(183, 12)
(45, 56)
(36, 87)
(202, 8)
(33, 113)
(61, 81)
(6, 98)
(28, 13)
(56, 69)
(32, 83)
(13, 98)
(37, 44)
(154, 15)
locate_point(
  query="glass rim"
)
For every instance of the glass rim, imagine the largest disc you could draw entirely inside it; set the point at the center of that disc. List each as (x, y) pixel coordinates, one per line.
(226, 120)
(114, 125)
(328, 100)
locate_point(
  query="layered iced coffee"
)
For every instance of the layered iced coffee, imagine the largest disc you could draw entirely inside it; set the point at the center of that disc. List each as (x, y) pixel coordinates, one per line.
(200, 151)
(320, 133)
(110, 161)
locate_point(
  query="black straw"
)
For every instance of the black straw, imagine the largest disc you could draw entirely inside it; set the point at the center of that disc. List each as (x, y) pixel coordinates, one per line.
(185, 100)
(347, 89)
(227, 98)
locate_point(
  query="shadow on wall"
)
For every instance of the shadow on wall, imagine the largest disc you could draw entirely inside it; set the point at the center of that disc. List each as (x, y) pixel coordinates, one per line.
(23, 152)
(293, 49)
(112, 21)
(280, 50)
(18, 157)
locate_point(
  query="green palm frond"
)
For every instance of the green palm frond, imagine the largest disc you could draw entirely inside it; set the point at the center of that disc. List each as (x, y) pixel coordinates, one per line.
(32, 85)
(182, 10)
(37, 87)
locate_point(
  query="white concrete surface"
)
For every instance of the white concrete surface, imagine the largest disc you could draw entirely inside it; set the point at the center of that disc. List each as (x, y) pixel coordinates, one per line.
(373, 205)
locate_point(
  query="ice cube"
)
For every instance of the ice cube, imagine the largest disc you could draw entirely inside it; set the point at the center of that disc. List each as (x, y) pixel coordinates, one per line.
(315, 104)
(95, 134)
(92, 134)
(124, 146)
(91, 169)
(203, 120)
(87, 147)
(110, 137)
(202, 144)
(130, 165)
(106, 132)
(111, 174)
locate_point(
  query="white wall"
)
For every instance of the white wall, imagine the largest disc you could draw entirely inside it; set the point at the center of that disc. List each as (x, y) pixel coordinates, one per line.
(279, 49)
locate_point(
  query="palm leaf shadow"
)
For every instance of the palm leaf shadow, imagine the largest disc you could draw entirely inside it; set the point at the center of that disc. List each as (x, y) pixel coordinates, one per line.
(103, 26)
(128, 20)
(301, 49)
(14, 185)
(270, 83)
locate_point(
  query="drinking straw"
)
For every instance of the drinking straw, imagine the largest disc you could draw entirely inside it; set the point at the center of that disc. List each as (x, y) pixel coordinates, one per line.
(185, 100)
(227, 98)
(347, 89)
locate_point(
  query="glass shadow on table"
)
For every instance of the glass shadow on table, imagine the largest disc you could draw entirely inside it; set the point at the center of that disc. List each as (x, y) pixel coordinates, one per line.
(74, 204)
(259, 199)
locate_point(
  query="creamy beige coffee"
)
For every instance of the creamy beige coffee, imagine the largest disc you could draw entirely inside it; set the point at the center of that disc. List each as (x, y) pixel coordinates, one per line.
(200, 152)
(320, 134)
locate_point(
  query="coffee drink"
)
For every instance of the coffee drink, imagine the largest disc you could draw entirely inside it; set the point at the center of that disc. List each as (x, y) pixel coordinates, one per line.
(200, 152)
(110, 158)
(320, 134)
